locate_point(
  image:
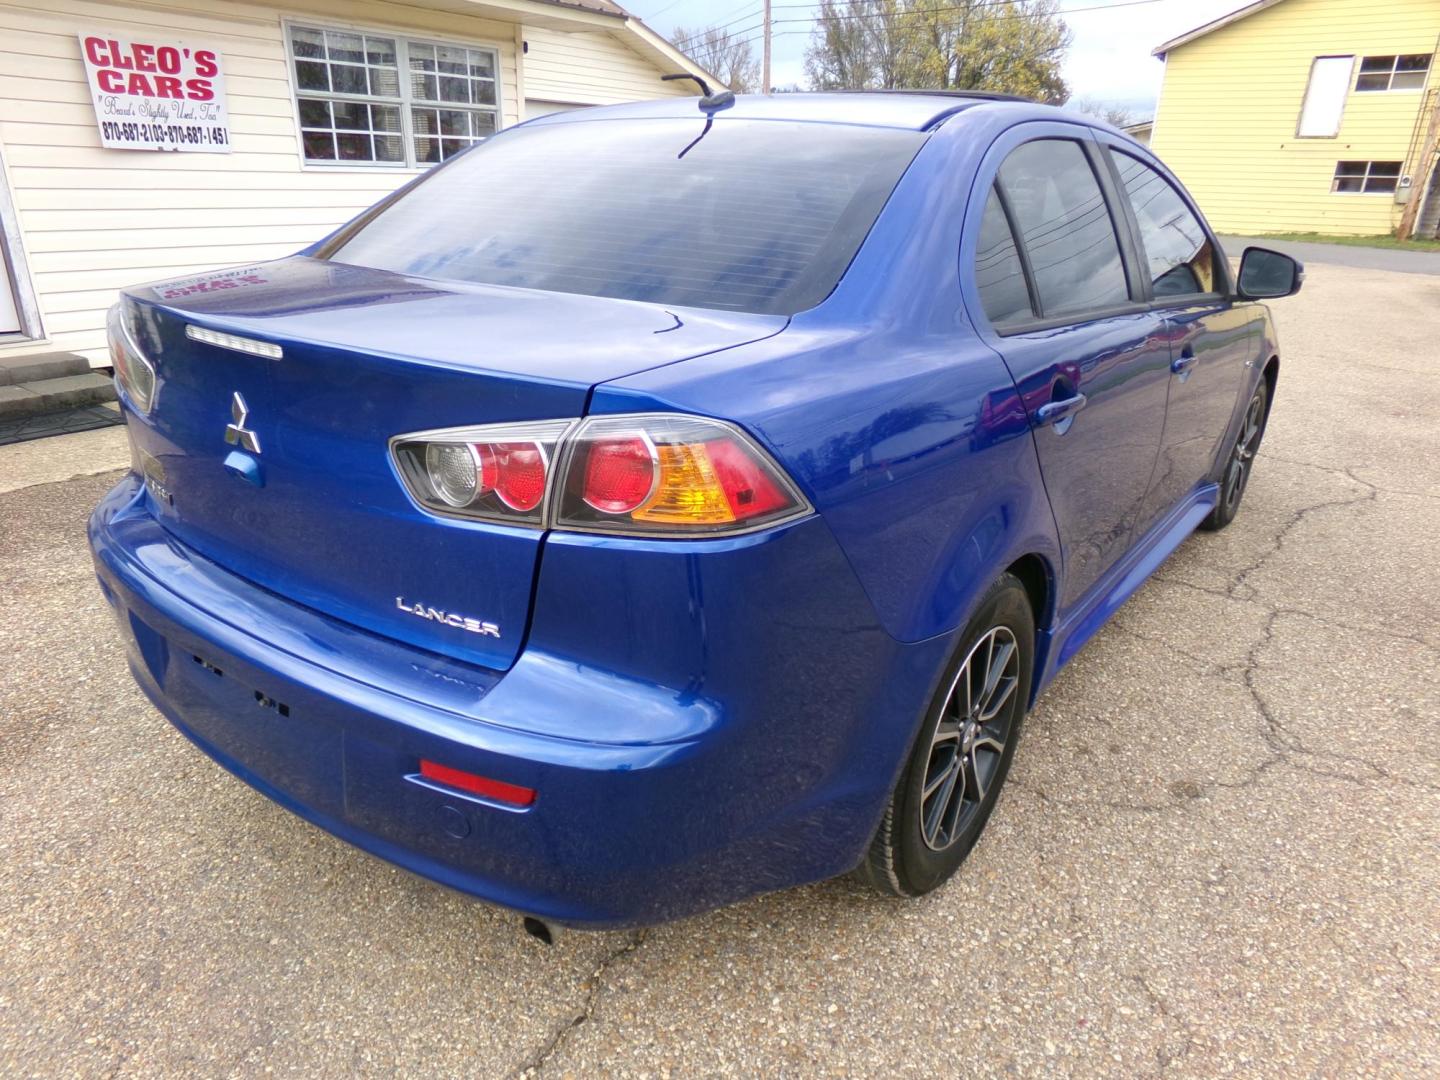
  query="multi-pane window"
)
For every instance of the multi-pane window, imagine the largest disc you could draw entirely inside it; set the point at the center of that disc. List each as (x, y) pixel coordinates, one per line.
(386, 100)
(1393, 72)
(1366, 177)
(445, 80)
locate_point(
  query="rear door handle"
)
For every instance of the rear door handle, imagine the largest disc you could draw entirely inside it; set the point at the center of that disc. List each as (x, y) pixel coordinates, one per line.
(1184, 362)
(1058, 411)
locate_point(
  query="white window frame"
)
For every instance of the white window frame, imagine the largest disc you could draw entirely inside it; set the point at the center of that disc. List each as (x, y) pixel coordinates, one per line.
(15, 272)
(1365, 179)
(1390, 87)
(404, 102)
(1344, 94)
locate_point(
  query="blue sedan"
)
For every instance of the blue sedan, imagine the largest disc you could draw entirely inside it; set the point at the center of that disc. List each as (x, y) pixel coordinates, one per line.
(661, 504)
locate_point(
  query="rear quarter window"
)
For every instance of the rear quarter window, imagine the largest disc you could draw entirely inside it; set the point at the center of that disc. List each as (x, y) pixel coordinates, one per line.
(757, 216)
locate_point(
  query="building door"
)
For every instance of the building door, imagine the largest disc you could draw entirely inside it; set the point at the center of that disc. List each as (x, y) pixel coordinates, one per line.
(9, 310)
(9, 242)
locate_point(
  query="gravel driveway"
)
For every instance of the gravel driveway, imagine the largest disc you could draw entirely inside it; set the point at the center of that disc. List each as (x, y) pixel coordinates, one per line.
(1220, 850)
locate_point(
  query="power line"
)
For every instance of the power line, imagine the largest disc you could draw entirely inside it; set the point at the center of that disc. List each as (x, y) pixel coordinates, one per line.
(692, 38)
(654, 15)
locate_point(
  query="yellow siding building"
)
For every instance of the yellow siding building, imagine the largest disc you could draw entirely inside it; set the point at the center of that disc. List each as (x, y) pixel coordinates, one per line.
(1303, 115)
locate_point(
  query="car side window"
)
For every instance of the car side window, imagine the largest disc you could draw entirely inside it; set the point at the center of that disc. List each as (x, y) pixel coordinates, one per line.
(999, 274)
(1180, 258)
(1065, 228)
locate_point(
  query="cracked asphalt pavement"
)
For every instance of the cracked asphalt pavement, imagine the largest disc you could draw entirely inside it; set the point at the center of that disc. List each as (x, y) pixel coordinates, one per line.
(1219, 853)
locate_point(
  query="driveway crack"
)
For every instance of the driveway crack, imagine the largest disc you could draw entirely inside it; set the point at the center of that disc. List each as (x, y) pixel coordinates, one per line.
(535, 1064)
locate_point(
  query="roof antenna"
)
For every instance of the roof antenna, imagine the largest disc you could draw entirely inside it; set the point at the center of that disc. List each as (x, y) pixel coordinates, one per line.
(711, 102)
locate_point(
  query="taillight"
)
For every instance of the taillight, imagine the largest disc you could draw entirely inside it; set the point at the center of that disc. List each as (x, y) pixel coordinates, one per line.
(653, 474)
(133, 373)
(494, 473)
(661, 474)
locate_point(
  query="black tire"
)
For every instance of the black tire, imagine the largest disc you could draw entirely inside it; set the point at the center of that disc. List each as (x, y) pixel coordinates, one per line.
(1234, 471)
(913, 850)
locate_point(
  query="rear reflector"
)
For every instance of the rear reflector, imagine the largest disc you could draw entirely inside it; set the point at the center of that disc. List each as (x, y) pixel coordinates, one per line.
(498, 790)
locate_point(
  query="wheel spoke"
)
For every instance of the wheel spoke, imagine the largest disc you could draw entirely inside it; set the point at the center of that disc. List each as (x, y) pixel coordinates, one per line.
(999, 699)
(934, 785)
(990, 743)
(995, 673)
(974, 781)
(937, 814)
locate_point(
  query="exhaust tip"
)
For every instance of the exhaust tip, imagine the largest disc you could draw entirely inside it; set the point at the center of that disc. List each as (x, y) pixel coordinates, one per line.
(537, 929)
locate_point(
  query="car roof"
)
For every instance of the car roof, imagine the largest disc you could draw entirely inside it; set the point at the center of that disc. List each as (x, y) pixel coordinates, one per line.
(917, 110)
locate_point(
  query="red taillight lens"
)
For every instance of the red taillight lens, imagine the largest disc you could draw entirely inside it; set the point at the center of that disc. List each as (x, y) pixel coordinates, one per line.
(670, 475)
(519, 473)
(749, 489)
(620, 474)
(498, 790)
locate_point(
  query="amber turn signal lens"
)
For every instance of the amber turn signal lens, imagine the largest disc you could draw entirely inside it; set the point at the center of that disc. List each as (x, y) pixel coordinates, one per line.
(661, 474)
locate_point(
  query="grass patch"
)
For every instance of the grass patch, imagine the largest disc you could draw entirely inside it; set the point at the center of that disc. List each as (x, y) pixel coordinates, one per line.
(1355, 241)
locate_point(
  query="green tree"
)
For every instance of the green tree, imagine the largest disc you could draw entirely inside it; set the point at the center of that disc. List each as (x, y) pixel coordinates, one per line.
(839, 54)
(1015, 47)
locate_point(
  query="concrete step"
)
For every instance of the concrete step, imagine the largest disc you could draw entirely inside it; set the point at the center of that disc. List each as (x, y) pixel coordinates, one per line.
(54, 395)
(66, 422)
(15, 370)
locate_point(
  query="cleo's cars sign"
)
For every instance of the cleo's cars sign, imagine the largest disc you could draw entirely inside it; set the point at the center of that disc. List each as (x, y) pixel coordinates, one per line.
(156, 95)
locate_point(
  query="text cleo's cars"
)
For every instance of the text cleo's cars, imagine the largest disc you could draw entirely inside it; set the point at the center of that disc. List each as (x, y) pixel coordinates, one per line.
(615, 549)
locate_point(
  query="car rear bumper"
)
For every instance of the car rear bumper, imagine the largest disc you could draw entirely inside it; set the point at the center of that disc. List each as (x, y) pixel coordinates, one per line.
(745, 741)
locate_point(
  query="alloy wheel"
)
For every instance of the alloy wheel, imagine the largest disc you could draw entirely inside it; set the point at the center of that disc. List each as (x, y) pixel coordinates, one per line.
(1237, 474)
(968, 743)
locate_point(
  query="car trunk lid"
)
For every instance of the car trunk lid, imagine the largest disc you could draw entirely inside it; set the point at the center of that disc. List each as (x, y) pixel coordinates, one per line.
(309, 505)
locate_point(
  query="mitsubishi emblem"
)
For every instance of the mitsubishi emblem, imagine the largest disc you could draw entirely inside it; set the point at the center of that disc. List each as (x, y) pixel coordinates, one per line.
(236, 433)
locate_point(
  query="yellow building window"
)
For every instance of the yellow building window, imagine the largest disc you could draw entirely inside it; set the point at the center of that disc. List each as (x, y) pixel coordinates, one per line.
(1379, 73)
(1366, 177)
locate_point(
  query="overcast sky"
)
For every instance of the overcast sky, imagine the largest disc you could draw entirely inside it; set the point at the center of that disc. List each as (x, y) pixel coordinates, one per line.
(1109, 61)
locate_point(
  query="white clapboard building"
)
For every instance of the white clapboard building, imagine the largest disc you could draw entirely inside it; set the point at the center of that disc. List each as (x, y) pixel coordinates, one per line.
(150, 140)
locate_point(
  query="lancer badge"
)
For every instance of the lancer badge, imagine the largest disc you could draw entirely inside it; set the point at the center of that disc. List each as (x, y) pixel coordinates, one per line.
(449, 618)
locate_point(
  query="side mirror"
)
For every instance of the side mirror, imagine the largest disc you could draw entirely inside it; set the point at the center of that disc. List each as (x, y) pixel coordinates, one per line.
(1269, 275)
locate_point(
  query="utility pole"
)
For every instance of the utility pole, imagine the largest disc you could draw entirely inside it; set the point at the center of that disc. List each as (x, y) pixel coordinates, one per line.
(1420, 186)
(765, 74)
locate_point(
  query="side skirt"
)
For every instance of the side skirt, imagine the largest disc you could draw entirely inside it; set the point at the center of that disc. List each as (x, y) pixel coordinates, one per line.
(1120, 582)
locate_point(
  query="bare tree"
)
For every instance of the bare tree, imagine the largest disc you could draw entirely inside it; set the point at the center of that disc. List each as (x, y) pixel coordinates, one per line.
(1117, 115)
(725, 55)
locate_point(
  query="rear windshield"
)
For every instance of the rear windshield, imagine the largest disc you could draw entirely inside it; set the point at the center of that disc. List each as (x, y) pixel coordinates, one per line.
(757, 216)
